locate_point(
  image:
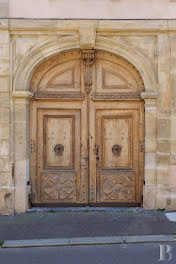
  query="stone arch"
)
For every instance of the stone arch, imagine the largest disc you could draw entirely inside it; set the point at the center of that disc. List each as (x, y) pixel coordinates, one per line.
(28, 64)
(42, 52)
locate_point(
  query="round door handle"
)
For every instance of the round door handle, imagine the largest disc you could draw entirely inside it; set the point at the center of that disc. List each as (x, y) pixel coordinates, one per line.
(116, 150)
(59, 149)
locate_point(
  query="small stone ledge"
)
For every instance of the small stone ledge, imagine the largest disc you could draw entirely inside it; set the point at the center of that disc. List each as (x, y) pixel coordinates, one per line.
(22, 94)
(149, 95)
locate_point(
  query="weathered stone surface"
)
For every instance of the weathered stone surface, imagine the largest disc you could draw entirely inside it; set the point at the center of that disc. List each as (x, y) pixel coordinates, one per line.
(4, 148)
(150, 177)
(5, 115)
(4, 179)
(163, 159)
(4, 36)
(149, 197)
(163, 128)
(148, 45)
(21, 199)
(4, 83)
(163, 176)
(6, 201)
(4, 100)
(88, 35)
(163, 145)
(4, 67)
(150, 145)
(172, 176)
(166, 197)
(145, 44)
(4, 51)
(150, 160)
(4, 164)
(4, 131)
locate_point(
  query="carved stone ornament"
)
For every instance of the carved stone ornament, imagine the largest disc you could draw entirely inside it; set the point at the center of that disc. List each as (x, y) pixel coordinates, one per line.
(116, 96)
(61, 96)
(88, 59)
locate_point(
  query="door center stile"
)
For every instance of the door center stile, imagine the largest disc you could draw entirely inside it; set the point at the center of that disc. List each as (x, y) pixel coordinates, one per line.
(88, 60)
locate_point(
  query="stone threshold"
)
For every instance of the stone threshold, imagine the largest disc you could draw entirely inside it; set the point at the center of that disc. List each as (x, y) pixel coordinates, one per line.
(85, 208)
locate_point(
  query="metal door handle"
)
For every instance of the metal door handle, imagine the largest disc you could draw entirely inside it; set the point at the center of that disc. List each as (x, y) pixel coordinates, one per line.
(96, 152)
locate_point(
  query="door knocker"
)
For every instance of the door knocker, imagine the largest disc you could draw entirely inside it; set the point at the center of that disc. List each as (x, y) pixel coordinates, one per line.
(116, 150)
(59, 149)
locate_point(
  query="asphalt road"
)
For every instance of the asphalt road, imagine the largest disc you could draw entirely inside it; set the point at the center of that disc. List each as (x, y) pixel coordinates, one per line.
(106, 254)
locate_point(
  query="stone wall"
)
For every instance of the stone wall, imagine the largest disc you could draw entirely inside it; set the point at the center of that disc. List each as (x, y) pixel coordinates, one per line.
(149, 45)
(97, 9)
(4, 8)
(6, 182)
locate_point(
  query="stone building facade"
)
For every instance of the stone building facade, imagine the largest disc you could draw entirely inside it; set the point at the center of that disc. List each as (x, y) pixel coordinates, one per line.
(27, 46)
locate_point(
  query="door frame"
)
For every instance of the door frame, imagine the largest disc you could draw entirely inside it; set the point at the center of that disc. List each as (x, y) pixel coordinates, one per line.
(22, 96)
(37, 101)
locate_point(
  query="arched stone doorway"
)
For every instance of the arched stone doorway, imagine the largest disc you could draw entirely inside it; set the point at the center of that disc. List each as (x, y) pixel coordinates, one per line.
(86, 131)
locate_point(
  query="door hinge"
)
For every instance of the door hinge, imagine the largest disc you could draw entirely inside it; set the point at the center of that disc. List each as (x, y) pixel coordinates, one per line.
(141, 146)
(33, 146)
(13, 170)
(97, 152)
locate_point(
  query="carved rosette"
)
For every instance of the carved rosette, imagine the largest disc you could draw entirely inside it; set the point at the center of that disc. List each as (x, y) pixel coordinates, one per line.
(88, 59)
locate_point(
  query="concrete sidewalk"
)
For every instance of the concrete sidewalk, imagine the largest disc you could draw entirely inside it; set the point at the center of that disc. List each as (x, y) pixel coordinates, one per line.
(85, 223)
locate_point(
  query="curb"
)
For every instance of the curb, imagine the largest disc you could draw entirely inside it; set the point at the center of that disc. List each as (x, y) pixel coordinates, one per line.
(88, 241)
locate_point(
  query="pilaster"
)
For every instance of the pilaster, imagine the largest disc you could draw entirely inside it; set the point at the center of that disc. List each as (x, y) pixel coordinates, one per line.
(21, 149)
(150, 172)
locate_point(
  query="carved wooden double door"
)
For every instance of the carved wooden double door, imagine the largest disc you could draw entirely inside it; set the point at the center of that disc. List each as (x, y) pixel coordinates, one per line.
(86, 131)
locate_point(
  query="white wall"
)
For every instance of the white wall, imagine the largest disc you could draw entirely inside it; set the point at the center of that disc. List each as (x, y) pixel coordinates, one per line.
(3, 8)
(92, 8)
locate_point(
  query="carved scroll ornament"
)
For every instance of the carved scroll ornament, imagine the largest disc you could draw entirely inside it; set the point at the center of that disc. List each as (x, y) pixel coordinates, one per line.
(88, 59)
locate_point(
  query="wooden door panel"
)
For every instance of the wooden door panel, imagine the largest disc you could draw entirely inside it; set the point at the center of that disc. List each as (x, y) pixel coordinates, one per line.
(115, 76)
(58, 155)
(59, 187)
(63, 77)
(118, 187)
(59, 139)
(116, 141)
(117, 138)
